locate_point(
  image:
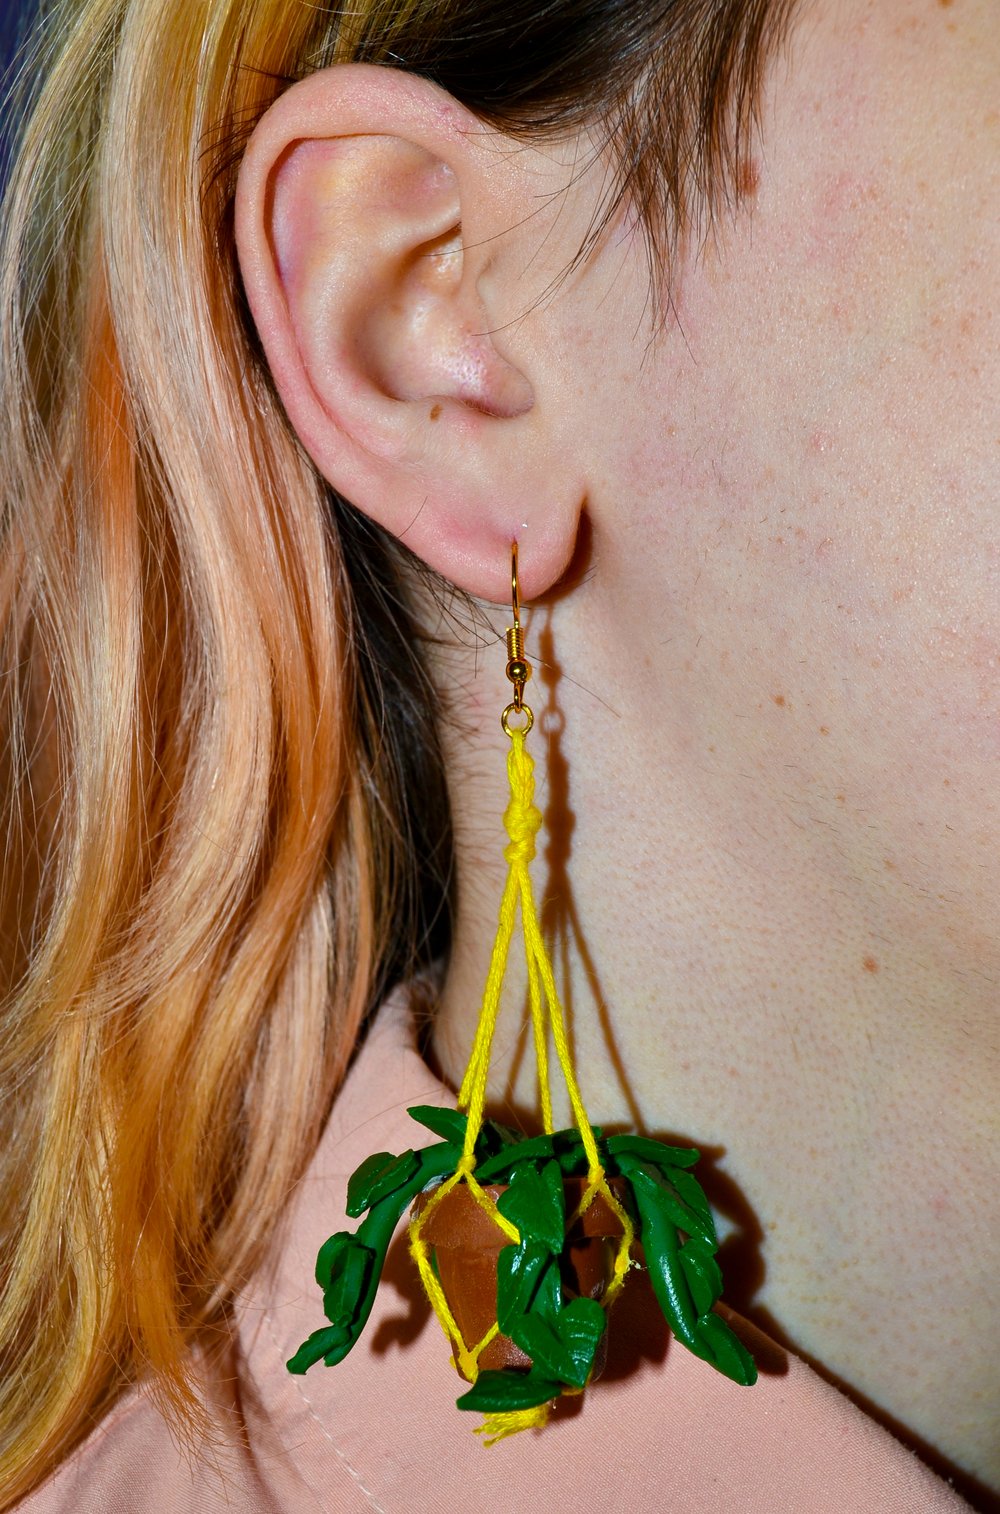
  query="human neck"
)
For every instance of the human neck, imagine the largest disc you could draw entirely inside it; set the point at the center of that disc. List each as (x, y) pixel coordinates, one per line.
(691, 920)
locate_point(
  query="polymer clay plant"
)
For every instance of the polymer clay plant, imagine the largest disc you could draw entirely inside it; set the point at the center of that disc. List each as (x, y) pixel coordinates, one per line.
(523, 1243)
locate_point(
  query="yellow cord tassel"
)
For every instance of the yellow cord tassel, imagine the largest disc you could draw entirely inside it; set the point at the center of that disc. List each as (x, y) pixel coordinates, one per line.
(498, 1426)
(522, 820)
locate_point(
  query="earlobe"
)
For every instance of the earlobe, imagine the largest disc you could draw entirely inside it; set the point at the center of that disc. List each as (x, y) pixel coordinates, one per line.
(370, 221)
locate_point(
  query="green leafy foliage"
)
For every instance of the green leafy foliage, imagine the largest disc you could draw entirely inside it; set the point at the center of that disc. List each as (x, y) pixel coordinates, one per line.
(534, 1202)
(693, 1219)
(673, 1222)
(655, 1153)
(500, 1167)
(376, 1178)
(690, 1191)
(563, 1347)
(322, 1345)
(328, 1254)
(561, 1339)
(449, 1124)
(527, 1280)
(702, 1272)
(717, 1344)
(506, 1392)
(349, 1265)
(349, 1277)
(565, 1146)
(679, 1246)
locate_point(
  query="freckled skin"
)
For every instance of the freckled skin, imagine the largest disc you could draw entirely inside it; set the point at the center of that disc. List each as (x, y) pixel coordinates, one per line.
(780, 676)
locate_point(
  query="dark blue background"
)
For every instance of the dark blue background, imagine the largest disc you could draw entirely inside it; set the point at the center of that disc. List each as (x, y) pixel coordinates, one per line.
(14, 16)
(8, 29)
(14, 21)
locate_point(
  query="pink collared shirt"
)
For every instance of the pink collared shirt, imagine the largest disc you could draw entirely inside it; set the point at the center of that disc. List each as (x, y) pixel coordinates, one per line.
(661, 1433)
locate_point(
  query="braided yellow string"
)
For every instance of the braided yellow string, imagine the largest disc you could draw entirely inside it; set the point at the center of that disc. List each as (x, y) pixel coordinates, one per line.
(522, 820)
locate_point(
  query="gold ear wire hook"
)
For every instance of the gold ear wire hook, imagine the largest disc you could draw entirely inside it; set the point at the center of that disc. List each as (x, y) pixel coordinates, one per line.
(518, 666)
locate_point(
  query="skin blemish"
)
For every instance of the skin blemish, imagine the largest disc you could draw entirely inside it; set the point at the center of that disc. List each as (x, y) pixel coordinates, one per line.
(779, 700)
(435, 412)
(824, 730)
(869, 964)
(841, 798)
(890, 866)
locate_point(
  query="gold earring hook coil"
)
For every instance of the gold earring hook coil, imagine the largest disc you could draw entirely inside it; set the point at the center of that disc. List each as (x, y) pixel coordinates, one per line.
(518, 666)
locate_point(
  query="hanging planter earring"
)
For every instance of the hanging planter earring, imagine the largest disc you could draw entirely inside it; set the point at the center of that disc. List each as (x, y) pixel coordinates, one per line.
(523, 1243)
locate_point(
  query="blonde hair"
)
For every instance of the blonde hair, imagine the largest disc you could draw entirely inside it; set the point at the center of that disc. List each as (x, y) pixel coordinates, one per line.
(209, 842)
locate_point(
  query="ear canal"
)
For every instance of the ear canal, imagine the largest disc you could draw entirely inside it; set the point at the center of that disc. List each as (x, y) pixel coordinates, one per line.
(422, 345)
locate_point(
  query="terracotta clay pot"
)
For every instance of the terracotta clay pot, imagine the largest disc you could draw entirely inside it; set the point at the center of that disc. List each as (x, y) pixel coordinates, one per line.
(467, 1244)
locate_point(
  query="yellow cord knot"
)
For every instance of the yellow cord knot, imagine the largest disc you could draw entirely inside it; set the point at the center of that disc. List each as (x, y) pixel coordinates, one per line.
(522, 818)
(523, 825)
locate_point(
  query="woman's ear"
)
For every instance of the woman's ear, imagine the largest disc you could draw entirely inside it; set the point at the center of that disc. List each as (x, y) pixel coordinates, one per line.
(389, 246)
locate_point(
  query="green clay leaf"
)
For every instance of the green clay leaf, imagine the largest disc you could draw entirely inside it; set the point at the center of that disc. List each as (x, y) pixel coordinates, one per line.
(657, 1153)
(661, 1246)
(547, 1299)
(702, 1272)
(363, 1177)
(320, 1345)
(505, 1392)
(378, 1177)
(328, 1253)
(499, 1167)
(553, 1179)
(662, 1191)
(348, 1284)
(570, 1153)
(565, 1145)
(449, 1124)
(534, 1203)
(718, 1345)
(563, 1349)
(692, 1193)
(527, 1282)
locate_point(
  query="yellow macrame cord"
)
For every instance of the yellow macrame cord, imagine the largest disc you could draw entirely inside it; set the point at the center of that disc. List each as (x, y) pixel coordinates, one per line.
(522, 820)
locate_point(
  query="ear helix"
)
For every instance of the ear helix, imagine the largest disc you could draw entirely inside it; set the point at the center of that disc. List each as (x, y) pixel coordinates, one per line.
(372, 236)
